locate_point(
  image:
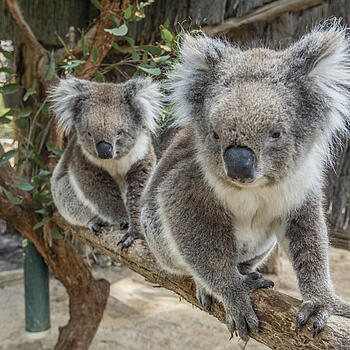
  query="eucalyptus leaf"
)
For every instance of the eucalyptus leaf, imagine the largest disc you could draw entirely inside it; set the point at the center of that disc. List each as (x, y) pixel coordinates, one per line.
(97, 4)
(51, 70)
(154, 50)
(41, 223)
(94, 54)
(9, 89)
(7, 54)
(12, 198)
(7, 70)
(28, 93)
(25, 186)
(7, 156)
(119, 31)
(152, 71)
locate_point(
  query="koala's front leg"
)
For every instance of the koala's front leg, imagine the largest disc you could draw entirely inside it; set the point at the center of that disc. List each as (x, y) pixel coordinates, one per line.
(136, 180)
(206, 244)
(306, 243)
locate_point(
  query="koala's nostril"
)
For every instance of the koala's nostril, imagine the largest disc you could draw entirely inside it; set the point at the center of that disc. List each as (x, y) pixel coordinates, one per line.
(104, 150)
(240, 163)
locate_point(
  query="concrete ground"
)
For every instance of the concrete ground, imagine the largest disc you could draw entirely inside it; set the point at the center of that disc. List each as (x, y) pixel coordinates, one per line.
(139, 316)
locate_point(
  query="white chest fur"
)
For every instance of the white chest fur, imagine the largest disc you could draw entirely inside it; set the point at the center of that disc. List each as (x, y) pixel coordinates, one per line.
(258, 213)
(119, 167)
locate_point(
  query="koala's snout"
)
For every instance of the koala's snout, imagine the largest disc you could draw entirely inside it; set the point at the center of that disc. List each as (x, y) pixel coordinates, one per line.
(104, 150)
(240, 164)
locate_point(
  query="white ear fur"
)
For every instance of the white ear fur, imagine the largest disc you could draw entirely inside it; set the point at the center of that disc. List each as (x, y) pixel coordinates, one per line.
(331, 72)
(198, 54)
(63, 97)
(149, 100)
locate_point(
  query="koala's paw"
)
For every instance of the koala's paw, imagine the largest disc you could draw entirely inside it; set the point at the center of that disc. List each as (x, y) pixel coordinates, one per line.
(321, 309)
(128, 239)
(203, 297)
(240, 315)
(96, 225)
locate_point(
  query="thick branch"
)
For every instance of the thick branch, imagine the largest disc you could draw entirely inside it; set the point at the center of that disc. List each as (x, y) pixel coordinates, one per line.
(265, 13)
(24, 29)
(276, 311)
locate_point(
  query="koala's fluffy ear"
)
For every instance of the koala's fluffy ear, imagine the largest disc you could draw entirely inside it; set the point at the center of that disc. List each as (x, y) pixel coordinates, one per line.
(199, 56)
(145, 93)
(323, 57)
(64, 98)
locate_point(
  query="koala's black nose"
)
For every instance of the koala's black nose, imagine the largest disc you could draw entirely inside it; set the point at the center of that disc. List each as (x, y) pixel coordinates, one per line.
(240, 163)
(104, 150)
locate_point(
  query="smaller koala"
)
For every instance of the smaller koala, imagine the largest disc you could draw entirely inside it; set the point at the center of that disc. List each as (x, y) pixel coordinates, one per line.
(109, 156)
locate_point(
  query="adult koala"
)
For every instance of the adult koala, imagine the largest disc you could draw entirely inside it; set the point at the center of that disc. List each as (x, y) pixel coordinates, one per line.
(247, 170)
(109, 157)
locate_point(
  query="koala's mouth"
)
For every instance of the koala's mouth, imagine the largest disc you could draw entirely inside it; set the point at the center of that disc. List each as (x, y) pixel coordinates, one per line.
(244, 183)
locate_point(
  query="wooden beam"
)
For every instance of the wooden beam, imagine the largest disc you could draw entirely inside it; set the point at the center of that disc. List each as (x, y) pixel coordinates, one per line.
(266, 13)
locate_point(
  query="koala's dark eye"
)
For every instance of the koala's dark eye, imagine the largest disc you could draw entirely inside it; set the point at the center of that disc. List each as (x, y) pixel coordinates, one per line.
(215, 135)
(119, 134)
(274, 136)
(89, 134)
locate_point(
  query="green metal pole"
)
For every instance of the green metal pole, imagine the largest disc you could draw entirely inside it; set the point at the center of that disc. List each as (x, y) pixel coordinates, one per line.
(36, 290)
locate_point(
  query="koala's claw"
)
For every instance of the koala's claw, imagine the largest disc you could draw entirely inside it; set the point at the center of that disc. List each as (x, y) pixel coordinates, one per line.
(124, 226)
(255, 280)
(204, 298)
(309, 308)
(95, 225)
(128, 239)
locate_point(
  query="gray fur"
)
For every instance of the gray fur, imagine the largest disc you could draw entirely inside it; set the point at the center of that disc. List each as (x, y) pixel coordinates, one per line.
(94, 192)
(199, 222)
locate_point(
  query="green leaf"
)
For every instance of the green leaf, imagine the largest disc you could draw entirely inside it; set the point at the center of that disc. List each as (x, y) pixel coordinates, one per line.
(28, 93)
(4, 120)
(51, 70)
(167, 36)
(56, 233)
(145, 57)
(73, 64)
(45, 198)
(84, 47)
(7, 54)
(9, 89)
(12, 198)
(22, 123)
(94, 54)
(97, 4)
(25, 186)
(66, 48)
(130, 41)
(23, 113)
(152, 71)
(41, 223)
(7, 70)
(51, 147)
(6, 156)
(135, 55)
(154, 50)
(120, 31)
(127, 13)
(166, 23)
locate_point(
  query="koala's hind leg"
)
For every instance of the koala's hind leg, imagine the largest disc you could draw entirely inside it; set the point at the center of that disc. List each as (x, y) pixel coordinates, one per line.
(68, 204)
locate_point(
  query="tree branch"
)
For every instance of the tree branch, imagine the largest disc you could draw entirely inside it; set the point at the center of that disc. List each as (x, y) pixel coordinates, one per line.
(24, 29)
(265, 13)
(103, 40)
(276, 311)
